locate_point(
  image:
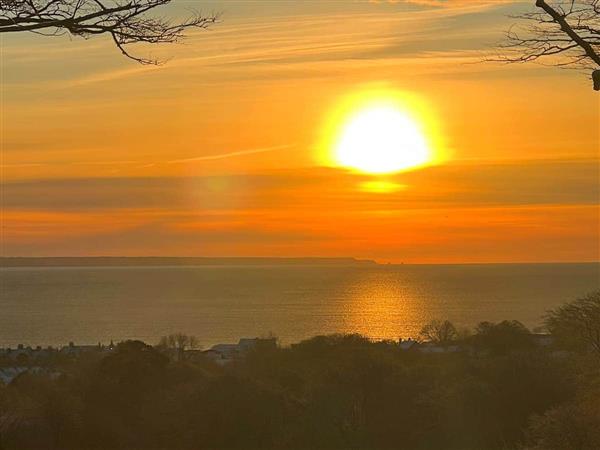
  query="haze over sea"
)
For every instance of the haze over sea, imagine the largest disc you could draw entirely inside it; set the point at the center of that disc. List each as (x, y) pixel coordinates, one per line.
(223, 302)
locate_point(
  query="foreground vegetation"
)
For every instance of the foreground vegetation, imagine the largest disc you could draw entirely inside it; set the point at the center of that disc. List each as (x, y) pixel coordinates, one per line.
(497, 389)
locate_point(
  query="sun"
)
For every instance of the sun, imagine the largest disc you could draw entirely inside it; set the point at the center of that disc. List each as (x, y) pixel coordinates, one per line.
(381, 139)
(379, 132)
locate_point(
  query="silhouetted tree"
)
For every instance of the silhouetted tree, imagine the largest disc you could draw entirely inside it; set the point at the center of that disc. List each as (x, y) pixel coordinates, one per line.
(120, 386)
(576, 325)
(52, 407)
(564, 32)
(15, 412)
(125, 21)
(178, 343)
(574, 425)
(439, 332)
(502, 338)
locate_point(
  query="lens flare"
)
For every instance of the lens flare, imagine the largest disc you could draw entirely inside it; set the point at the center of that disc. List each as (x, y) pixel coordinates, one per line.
(382, 139)
(381, 132)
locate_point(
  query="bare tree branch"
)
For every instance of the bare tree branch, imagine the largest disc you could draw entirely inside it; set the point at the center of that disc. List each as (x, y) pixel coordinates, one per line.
(566, 33)
(126, 21)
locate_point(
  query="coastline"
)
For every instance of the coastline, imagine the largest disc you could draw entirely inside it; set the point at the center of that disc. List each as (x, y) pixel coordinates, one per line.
(125, 261)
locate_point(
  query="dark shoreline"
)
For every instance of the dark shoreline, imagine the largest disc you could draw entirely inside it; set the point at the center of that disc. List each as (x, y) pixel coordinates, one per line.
(191, 261)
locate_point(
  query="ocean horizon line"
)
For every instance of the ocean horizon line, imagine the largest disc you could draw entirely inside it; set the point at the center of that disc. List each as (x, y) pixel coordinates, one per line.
(149, 261)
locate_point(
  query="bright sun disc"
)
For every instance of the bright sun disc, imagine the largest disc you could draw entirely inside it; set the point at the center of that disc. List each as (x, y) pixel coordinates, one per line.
(381, 139)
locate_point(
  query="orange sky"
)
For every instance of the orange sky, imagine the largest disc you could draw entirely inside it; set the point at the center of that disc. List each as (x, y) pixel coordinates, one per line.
(218, 151)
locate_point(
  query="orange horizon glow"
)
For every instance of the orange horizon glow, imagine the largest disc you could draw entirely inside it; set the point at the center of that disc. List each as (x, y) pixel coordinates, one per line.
(301, 130)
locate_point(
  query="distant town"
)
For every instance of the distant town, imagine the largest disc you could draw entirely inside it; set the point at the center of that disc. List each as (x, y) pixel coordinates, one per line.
(15, 361)
(43, 360)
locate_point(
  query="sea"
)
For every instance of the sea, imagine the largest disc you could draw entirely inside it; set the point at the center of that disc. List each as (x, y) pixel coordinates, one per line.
(223, 303)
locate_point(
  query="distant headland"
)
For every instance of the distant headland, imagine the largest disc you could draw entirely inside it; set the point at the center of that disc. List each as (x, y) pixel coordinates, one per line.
(98, 261)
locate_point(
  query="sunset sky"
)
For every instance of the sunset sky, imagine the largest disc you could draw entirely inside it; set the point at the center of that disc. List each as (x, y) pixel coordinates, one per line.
(226, 149)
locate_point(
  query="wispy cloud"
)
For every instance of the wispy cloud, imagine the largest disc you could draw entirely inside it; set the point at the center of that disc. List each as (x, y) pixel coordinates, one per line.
(451, 3)
(233, 154)
(300, 40)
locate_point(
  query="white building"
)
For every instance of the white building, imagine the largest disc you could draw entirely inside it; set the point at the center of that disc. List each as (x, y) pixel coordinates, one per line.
(225, 353)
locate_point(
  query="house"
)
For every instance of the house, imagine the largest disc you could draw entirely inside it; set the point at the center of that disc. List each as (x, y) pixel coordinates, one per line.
(430, 347)
(28, 355)
(193, 355)
(246, 344)
(407, 344)
(225, 353)
(542, 340)
(226, 349)
(218, 357)
(78, 350)
(21, 352)
(42, 355)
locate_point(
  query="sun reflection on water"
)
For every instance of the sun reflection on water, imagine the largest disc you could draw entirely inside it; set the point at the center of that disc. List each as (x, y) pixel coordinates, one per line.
(385, 307)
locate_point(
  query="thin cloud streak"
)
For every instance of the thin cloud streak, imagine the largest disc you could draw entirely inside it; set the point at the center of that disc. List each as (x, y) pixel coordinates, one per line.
(452, 3)
(232, 154)
(146, 163)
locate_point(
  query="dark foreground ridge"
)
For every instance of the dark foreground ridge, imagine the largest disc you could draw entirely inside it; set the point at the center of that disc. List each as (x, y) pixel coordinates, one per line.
(103, 261)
